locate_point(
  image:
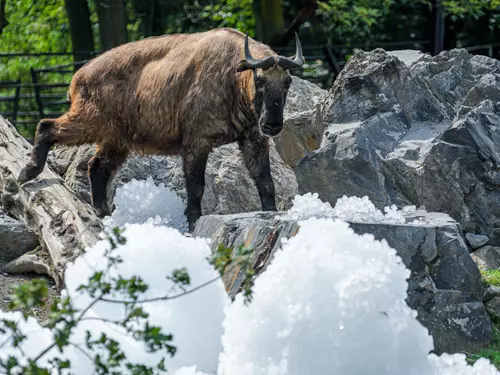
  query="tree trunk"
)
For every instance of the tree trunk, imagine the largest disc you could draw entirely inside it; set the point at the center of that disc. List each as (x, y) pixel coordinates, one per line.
(112, 23)
(65, 225)
(269, 19)
(80, 27)
(3, 17)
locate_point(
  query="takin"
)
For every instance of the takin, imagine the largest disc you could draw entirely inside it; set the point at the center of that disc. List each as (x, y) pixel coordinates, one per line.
(179, 94)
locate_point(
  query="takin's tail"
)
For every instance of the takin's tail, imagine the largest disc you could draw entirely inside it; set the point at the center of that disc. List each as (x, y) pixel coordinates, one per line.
(49, 132)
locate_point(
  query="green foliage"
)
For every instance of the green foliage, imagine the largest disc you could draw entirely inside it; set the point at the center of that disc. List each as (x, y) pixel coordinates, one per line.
(63, 317)
(237, 14)
(29, 295)
(491, 277)
(344, 19)
(474, 8)
(492, 351)
(355, 21)
(39, 26)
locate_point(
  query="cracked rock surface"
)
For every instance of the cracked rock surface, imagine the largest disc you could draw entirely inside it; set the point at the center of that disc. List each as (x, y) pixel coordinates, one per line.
(411, 129)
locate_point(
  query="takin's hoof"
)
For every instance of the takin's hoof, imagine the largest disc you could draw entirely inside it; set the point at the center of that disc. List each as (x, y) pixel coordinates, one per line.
(192, 220)
(28, 173)
(102, 212)
(270, 209)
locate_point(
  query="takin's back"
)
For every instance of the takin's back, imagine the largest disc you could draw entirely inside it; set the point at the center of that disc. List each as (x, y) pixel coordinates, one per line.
(149, 89)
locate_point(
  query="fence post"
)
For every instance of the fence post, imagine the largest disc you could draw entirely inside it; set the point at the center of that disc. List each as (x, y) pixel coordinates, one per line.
(16, 101)
(34, 79)
(331, 59)
(439, 28)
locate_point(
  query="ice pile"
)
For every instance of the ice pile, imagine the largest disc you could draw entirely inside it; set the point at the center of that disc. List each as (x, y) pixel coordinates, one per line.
(151, 252)
(353, 209)
(140, 201)
(357, 209)
(328, 298)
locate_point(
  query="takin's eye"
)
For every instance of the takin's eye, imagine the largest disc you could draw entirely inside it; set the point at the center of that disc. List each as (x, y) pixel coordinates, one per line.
(288, 81)
(260, 81)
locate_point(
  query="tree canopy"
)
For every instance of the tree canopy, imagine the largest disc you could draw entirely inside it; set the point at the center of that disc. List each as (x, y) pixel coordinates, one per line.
(47, 25)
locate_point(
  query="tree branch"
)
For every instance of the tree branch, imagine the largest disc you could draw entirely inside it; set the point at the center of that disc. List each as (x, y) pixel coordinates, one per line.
(163, 298)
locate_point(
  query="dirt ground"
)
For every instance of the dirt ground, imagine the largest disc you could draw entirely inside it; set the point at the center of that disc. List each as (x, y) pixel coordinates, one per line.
(7, 280)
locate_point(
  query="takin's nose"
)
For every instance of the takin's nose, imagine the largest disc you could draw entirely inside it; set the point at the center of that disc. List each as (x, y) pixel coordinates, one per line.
(272, 129)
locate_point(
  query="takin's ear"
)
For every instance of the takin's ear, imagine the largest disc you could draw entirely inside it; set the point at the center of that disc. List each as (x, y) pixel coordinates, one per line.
(243, 65)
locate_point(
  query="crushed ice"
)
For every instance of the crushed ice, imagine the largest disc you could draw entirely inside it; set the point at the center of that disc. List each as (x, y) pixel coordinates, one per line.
(142, 201)
(351, 209)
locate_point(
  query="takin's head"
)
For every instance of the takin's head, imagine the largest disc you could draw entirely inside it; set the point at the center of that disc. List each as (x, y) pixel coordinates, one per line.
(271, 81)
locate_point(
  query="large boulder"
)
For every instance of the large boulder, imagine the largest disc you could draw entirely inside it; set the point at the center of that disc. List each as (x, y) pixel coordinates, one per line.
(444, 288)
(302, 129)
(408, 128)
(229, 188)
(15, 239)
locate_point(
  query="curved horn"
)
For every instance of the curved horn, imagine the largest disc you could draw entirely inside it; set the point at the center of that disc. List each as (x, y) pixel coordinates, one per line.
(251, 63)
(297, 61)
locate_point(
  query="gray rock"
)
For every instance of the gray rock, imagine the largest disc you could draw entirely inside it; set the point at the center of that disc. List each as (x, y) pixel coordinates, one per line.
(229, 187)
(490, 292)
(417, 131)
(303, 96)
(445, 286)
(233, 190)
(35, 261)
(349, 161)
(493, 307)
(487, 257)
(302, 129)
(407, 56)
(15, 238)
(302, 132)
(476, 240)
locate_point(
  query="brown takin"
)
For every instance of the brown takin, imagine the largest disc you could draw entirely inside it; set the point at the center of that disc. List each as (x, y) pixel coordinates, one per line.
(174, 94)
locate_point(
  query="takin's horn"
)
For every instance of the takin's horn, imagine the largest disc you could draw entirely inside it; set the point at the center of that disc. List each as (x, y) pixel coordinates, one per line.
(298, 60)
(251, 63)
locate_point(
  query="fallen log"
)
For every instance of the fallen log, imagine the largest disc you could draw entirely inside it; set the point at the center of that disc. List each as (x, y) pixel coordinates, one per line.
(65, 225)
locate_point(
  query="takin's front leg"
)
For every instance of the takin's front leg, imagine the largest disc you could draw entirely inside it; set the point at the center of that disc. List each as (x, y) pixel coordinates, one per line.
(256, 157)
(194, 165)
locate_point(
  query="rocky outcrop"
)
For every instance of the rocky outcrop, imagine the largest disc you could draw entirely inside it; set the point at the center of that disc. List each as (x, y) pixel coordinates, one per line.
(229, 188)
(476, 240)
(408, 128)
(487, 257)
(445, 287)
(15, 239)
(303, 129)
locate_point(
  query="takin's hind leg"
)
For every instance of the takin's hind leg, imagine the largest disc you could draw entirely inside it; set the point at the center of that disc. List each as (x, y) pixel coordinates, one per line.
(102, 167)
(49, 132)
(44, 140)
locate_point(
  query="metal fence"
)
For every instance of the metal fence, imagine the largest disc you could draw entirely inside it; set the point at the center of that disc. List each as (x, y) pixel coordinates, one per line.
(24, 104)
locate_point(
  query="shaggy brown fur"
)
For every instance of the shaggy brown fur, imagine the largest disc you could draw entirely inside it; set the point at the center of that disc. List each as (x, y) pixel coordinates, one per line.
(174, 94)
